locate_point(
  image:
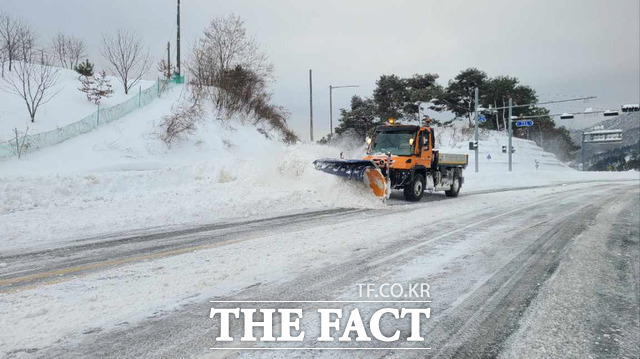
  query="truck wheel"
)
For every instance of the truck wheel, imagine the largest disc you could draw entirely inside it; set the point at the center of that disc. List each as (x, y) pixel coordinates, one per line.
(455, 187)
(414, 190)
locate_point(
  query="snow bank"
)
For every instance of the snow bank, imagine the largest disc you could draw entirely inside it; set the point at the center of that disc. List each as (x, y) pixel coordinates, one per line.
(122, 177)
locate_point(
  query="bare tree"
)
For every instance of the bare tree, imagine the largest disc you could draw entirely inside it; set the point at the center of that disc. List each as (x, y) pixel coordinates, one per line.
(10, 37)
(67, 50)
(228, 68)
(3, 58)
(222, 57)
(33, 83)
(224, 46)
(21, 146)
(181, 122)
(126, 57)
(166, 69)
(27, 43)
(77, 50)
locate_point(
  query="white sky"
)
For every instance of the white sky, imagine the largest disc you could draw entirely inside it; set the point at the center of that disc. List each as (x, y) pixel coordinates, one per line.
(560, 48)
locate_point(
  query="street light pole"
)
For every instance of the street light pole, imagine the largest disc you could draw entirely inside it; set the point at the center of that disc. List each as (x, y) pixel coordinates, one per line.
(331, 103)
(330, 110)
(311, 105)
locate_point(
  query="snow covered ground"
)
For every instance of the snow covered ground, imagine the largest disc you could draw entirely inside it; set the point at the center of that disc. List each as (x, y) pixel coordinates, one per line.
(122, 177)
(68, 106)
(457, 245)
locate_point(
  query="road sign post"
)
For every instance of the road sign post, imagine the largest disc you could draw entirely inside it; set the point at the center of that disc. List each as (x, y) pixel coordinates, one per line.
(527, 123)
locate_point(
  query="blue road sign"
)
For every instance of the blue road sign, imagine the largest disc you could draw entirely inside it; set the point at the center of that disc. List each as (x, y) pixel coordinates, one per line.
(481, 118)
(524, 123)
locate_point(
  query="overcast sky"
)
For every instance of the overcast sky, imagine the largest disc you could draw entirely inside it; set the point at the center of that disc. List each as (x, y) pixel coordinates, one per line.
(560, 48)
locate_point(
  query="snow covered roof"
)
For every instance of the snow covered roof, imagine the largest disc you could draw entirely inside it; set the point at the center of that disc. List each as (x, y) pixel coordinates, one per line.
(603, 132)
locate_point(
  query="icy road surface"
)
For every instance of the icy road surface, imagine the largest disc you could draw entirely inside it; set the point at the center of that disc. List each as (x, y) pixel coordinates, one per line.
(537, 272)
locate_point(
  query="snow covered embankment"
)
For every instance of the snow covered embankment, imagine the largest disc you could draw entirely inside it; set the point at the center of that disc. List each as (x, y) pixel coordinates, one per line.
(121, 177)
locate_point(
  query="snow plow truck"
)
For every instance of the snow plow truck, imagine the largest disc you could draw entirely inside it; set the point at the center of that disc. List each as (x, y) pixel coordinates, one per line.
(402, 157)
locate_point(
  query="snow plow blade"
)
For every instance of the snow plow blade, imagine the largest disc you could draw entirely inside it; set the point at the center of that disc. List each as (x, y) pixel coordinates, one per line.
(358, 170)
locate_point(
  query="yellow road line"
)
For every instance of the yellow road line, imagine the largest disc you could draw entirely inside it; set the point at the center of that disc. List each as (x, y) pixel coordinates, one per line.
(102, 264)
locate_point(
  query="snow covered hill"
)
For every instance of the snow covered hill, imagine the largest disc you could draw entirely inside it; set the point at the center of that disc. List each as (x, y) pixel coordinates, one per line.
(628, 122)
(68, 106)
(490, 150)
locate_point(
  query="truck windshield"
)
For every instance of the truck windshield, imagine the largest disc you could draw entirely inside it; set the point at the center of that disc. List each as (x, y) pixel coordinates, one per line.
(396, 142)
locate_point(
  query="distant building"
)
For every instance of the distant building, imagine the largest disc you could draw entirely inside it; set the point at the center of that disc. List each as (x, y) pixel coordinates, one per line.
(634, 107)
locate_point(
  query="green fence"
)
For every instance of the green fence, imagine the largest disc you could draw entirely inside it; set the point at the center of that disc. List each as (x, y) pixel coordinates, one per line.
(100, 117)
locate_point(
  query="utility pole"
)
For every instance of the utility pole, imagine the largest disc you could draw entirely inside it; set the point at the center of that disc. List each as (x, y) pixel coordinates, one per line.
(509, 148)
(331, 103)
(178, 42)
(475, 129)
(311, 105)
(168, 60)
(330, 110)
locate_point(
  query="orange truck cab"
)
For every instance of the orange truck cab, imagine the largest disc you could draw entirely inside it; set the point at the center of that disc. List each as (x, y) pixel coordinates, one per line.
(406, 156)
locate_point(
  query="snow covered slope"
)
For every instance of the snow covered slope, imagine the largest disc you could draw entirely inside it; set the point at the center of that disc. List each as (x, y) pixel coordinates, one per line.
(454, 139)
(121, 177)
(69, 105)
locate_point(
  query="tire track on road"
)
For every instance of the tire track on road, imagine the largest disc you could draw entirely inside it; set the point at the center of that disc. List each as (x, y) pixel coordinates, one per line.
(484, 320)
(194, 329)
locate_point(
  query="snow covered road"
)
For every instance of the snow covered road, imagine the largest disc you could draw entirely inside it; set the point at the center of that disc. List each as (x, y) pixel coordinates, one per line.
(513, 273)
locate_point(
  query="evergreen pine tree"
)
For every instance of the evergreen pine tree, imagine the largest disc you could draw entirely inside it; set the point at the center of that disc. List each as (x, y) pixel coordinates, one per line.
(85, 68)
(101, 88)
(87, 86)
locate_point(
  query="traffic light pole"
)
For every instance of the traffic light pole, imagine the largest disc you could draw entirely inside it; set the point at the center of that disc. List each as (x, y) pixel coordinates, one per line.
(475, 130)
(582, 152)
(511, 107)
(509, 148)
